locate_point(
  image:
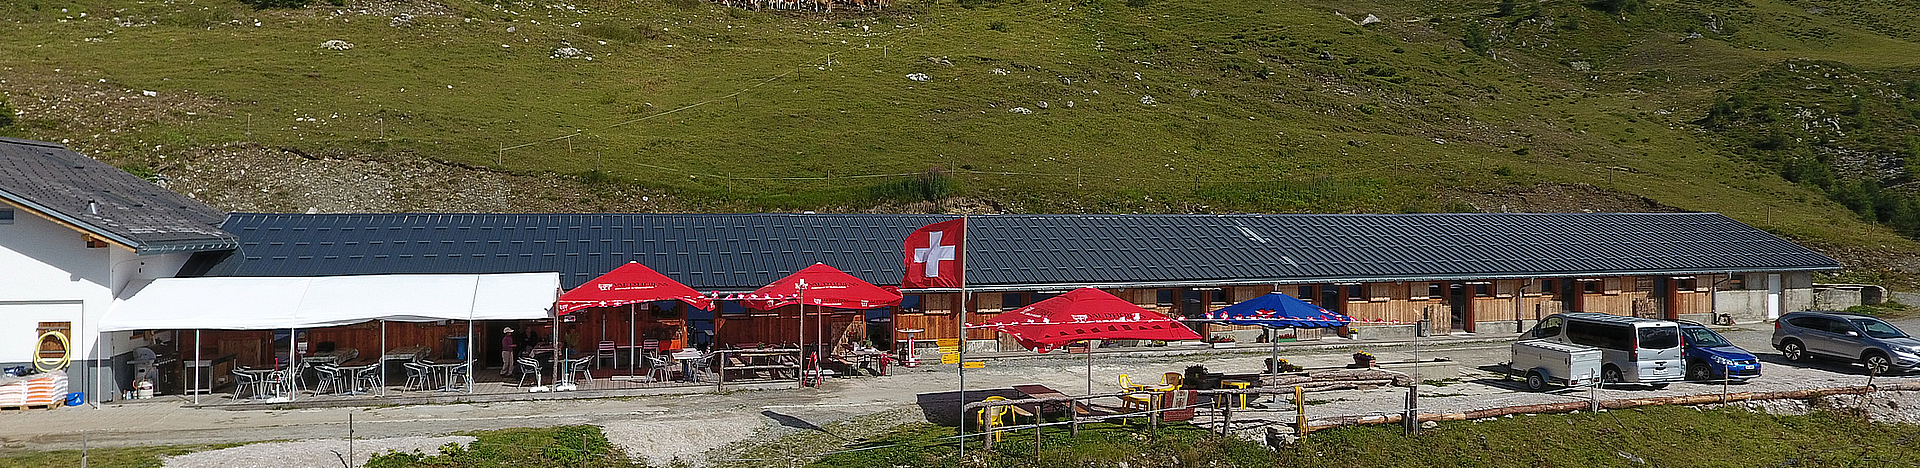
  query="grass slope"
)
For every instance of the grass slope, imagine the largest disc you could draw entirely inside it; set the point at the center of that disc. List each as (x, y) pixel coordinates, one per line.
(1659, 436)
(1150, 105)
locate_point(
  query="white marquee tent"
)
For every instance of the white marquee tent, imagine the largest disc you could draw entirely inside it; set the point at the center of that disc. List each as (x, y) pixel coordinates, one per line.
(262, 303)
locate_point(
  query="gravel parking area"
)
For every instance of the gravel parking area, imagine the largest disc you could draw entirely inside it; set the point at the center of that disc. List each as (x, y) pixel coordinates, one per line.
(310, 452)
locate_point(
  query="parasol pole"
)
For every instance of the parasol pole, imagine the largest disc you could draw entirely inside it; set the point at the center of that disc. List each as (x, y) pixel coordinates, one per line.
(801, 352)
(633, 347)
(1089, 367)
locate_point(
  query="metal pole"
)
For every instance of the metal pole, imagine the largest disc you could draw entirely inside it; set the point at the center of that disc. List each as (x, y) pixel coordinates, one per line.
(383, 362)
(966, 224)
(1089, 367)
(293, 339)
(802, 346)
(198, 385)
(556, 348)
(466, 381)
(633, 346)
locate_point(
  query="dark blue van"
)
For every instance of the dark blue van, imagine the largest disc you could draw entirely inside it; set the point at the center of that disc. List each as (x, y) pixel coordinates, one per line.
(1710, 357)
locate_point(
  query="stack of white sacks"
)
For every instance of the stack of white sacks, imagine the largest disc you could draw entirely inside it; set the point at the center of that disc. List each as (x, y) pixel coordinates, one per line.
(38, 389)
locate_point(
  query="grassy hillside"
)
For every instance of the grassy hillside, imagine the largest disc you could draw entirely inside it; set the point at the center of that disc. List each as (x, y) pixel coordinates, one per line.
(1030, 105)
(1660, 436)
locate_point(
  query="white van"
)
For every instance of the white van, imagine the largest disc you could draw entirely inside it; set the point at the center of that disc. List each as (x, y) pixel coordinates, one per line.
(1633, 350)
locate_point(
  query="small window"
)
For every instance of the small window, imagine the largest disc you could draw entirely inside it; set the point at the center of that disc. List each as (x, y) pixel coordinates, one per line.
(1590, 287)
(910, 303)
(1218, 296)
(1550, 286)
(1686, 284)
(1737, 281)
(1436, 290)
(1163, 297)
(1010, 301)
(1355, 292)
(6, 216)
(1482, 290)
(1307, 294)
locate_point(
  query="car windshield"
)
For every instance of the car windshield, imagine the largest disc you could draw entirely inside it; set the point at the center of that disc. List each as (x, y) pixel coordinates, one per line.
(1659, 337)
(1701, 337)
(1878, 329)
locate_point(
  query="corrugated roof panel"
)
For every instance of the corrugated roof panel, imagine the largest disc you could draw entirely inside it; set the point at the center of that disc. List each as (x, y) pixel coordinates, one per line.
(739, 252)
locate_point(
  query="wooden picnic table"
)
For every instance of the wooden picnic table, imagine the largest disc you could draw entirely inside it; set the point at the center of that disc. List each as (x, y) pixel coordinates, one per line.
(1042, 391)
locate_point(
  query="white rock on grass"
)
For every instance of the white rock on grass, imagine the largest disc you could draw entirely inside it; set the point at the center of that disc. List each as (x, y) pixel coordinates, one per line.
(1021, 111)
(567, 52)
(1148, 100)
(336, 44)
(998, 71)
(918, 77)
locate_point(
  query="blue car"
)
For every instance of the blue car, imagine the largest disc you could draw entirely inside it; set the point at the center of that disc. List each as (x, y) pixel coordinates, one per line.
(1710, 357)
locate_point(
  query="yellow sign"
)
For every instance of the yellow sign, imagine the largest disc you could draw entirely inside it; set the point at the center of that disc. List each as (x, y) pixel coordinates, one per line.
(949, 358)
(974, 365)
(947, 342)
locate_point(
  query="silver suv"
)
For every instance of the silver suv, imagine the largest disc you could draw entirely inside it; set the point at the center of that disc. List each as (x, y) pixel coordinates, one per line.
(1880, 346)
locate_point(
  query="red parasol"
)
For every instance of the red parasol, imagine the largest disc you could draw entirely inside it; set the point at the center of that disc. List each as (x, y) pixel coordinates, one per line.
(1086, 314)
(826, 287)
(631, 283)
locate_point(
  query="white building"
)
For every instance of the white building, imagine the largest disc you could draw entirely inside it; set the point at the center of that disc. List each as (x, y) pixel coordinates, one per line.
(74, 232)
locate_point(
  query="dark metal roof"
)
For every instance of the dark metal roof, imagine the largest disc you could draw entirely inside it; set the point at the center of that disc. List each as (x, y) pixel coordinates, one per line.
(744, 251)
(105, 201)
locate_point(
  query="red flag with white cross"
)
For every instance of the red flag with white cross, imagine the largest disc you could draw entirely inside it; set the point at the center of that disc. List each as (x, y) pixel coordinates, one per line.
(934, 255)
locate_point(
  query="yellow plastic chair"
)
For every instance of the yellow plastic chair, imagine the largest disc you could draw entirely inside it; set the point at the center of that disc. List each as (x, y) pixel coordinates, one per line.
(1170, 381)
(991, 417)
(1243, 396)
(1126, 383)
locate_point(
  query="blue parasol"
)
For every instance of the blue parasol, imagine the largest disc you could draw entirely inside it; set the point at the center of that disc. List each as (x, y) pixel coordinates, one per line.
(1276, 310)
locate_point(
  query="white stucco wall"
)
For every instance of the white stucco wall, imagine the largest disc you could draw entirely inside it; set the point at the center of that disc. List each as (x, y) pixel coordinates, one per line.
(47, 274)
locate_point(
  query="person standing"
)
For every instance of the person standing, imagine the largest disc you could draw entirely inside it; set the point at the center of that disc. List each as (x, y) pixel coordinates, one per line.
(507, 351)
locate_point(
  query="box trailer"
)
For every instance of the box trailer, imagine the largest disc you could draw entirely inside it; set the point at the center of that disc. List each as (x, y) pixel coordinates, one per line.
(1542, 363)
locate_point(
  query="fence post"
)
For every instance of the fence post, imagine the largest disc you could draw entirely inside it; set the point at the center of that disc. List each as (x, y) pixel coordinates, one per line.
(1299, 411)
(1411, 419)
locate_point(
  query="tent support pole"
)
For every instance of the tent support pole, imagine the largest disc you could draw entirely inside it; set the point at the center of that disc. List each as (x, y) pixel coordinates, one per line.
(557, 351)
(293, 340)
(470, 370)
(383, 357)
(197, 384)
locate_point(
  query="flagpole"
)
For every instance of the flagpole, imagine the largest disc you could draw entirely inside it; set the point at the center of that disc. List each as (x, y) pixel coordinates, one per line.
(966, 224)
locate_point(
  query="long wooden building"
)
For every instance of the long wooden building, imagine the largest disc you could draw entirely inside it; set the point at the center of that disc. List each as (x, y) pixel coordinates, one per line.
(1464, 273)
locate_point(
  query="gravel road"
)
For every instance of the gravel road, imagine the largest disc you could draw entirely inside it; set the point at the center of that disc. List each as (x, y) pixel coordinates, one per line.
(693, 427)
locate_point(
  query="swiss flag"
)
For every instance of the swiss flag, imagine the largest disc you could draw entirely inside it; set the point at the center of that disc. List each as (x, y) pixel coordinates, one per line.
(934, 255)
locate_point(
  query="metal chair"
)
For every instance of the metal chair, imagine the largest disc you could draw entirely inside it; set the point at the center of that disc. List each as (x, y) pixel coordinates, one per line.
(461, 373)
(659, 369)
(245, 382)
(419, 376)
(606, 350)
(326, 378)
(579, 366)
(529, 367)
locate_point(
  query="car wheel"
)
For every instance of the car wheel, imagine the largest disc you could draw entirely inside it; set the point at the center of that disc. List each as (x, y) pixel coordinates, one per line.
(1793, 351)
(1536, 381)
(1611, 375)
(1698, 372)
(1877, 363)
